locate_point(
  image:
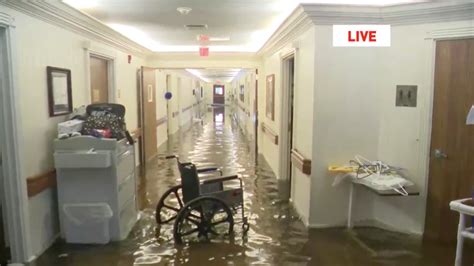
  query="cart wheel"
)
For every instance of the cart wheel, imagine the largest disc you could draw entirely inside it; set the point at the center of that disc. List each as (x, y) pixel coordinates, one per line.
(203, 216)
(165, 212)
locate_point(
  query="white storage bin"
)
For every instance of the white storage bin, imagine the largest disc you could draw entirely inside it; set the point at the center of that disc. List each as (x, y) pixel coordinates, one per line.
(87, 223)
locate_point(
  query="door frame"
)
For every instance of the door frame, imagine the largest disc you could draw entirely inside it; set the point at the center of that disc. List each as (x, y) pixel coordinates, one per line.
(285, 158)
(169, 114)
(16, 198)
(255, 122)
(214, 92)
(111, 59)
(426, 116)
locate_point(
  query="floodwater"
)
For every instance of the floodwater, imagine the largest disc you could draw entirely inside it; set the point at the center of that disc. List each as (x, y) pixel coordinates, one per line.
(276, 235)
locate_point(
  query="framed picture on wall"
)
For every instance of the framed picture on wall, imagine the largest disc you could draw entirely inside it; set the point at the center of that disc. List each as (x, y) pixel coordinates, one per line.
(59, 91)
(242, 93)
(270, 99)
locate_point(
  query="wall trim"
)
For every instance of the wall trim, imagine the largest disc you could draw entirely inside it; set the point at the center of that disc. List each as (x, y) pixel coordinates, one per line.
(451, 33)
(307, 15)
(7, 20)
(66, 17)
(296, 24)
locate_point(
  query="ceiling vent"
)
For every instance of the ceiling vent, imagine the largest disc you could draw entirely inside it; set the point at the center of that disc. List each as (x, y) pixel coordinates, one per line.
(195, 26)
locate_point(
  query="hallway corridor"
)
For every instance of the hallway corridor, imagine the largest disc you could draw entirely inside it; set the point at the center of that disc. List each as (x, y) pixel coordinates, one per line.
(276, 235)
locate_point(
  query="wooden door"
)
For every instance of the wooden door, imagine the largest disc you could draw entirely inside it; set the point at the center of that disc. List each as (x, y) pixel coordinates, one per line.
(452, 141)
(99, 80)
(4, 251)
(219, 94)
(149, 113)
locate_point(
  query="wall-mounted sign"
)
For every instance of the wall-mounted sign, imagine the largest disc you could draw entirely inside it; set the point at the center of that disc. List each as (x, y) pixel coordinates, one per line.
(150, 93)
(361, 35)
(204, 51)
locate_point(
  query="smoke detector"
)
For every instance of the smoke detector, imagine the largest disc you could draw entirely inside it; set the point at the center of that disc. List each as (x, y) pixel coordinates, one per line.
(184, 10)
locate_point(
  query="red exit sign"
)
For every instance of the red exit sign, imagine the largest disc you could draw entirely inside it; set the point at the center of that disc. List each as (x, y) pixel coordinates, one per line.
(361, 36)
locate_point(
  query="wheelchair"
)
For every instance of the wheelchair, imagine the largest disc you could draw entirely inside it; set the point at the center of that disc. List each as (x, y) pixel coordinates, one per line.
(201, 206)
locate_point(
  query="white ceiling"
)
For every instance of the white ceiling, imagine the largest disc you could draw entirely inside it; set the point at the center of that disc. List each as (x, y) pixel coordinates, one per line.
(157, 25)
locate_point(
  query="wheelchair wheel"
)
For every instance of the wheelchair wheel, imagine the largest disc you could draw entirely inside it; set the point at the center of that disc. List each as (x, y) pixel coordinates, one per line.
(169, 205)
(202, 217)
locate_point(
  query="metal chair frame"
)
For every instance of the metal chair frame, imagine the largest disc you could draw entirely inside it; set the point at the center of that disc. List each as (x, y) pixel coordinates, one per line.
(194, 188)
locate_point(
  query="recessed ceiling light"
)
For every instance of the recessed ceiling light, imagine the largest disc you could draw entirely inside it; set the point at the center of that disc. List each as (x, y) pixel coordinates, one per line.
(184, 10)
(81, 4)
(136, 35)
(219, 39)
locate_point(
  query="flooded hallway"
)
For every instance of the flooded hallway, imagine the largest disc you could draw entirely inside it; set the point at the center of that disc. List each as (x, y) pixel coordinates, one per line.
(276, 235)
(236, 132)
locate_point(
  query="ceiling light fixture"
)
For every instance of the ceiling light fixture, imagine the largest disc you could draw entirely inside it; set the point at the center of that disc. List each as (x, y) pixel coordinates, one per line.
(219, 39)
(184, 10)
(197, 74)
(81, 4)
(136, 35)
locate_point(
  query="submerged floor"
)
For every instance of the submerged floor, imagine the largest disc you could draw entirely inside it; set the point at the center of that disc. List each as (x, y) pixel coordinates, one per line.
(276, 236)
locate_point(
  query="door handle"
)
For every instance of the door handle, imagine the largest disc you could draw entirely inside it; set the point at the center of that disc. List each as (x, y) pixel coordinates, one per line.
(439, 154)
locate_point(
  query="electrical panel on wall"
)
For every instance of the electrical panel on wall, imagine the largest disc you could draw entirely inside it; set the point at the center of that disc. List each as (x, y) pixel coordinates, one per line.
(406, 95)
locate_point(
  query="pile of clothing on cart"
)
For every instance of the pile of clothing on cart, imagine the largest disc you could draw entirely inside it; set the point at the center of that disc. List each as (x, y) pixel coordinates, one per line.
(105, 120)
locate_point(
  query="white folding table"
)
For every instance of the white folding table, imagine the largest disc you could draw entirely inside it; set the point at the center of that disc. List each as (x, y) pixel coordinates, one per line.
(411, 191)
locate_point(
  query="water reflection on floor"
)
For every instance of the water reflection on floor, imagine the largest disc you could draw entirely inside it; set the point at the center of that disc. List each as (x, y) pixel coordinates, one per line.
(276, 236)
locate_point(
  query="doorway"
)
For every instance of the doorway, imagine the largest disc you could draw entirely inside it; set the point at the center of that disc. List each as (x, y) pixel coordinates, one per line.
(219, 94)
(148, 113)
(169, 113)
(99, 79)
(15, 239)
(451, 172)
(255, 113)
(288, 81)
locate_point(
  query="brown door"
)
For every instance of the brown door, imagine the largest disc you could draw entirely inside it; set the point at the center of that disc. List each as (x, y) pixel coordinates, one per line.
(452, 141)
(4, 252)
(148, 113)
(219, 94)
(99, 80)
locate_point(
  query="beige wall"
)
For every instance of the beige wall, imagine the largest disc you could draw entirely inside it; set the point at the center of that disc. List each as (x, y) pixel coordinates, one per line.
(355, 113)
(39, 44)
(161, 109)
(303, 115)
(246, 122)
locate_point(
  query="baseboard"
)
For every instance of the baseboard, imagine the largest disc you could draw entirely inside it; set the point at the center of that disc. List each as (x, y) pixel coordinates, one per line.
(300, 215)
(367, 223)
(49, 244)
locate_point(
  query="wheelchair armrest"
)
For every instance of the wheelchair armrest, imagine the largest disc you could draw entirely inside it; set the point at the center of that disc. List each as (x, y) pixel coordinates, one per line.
(219, 179)
(209, 169)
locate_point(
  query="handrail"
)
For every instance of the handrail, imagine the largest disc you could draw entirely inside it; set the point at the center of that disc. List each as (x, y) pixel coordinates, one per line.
(161, 121)
(269, 133)
(300, 162)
